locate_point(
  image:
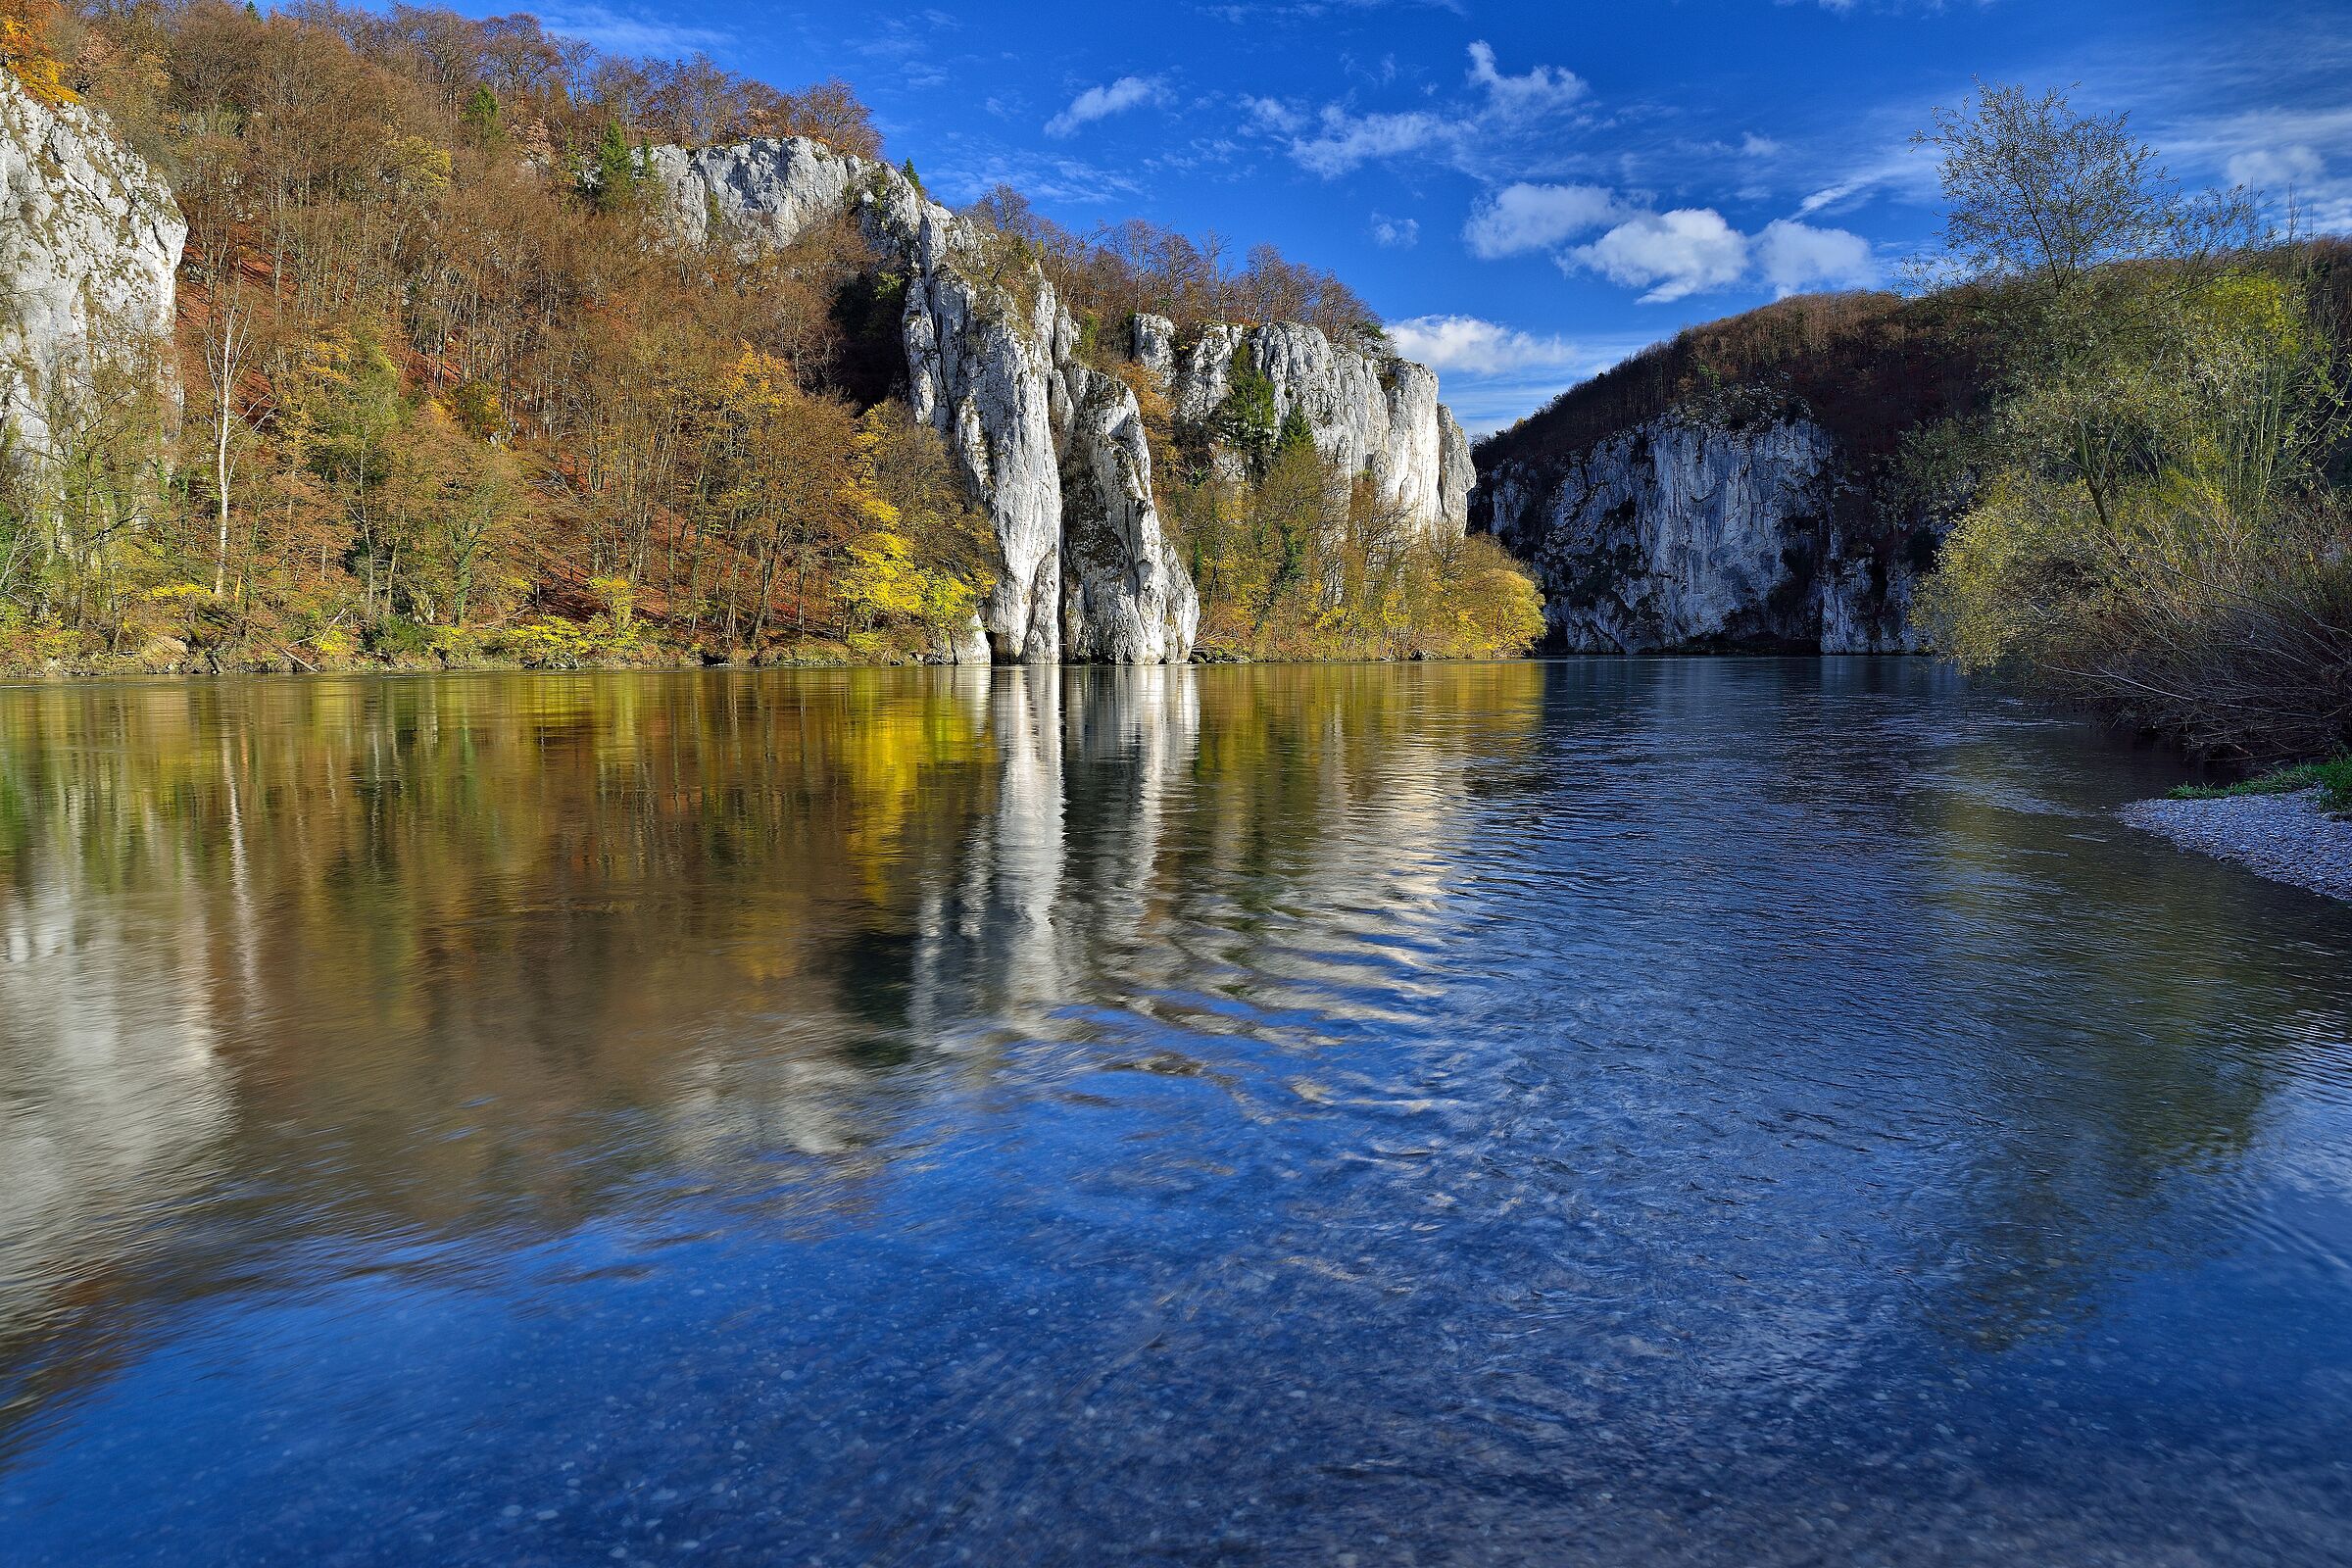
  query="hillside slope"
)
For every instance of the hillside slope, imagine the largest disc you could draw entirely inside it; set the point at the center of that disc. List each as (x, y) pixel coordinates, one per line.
(484, 348)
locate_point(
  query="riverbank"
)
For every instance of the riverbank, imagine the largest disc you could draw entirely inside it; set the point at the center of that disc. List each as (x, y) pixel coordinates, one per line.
(2289, 838)
(176, 660)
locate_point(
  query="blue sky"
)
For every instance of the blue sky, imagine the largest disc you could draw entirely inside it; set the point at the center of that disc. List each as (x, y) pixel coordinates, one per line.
(1529, 192)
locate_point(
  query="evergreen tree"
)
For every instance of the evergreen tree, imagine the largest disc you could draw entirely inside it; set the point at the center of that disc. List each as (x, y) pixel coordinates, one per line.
(614, 174)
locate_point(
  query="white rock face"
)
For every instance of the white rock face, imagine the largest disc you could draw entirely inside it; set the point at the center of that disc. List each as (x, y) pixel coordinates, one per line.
(1371, 414)
(1457, 473)
(1126, 598)
(1682, 533)
(991, 363)
(1154, 339)
(90, 242)
(1055, 449)
(773, 189)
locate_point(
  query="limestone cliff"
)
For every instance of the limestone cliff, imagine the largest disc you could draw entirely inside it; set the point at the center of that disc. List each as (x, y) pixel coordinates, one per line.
(1054, 450)
(89, 240)
(1370, 412)
(1707, 526)
(1055, 447)
(1750, 482)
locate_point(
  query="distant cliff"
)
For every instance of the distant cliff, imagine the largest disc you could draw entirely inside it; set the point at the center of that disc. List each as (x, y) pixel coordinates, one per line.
(1740, 487)
(1054, 445)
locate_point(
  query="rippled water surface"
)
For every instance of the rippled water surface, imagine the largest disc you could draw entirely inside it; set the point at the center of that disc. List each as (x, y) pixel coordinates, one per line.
(1595, 1112)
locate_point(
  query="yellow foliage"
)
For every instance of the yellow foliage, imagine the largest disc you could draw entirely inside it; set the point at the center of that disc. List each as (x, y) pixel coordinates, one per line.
(28, 54)
(620, 597)
(422, 168)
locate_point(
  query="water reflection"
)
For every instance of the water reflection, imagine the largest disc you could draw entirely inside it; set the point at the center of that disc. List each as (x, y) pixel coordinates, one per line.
(1751, 1111)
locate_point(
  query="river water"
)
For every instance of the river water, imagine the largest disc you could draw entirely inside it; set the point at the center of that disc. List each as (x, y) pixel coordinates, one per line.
(1626, 1113)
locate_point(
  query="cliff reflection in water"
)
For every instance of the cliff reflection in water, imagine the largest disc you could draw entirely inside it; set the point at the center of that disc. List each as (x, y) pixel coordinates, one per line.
(1758, 1111)
(479, 950)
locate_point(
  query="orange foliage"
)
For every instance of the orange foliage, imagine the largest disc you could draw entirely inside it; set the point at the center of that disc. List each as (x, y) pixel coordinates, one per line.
(27, 48)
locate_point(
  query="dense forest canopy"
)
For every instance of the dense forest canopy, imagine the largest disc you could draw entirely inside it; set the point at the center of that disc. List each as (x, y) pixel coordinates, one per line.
(453, 390)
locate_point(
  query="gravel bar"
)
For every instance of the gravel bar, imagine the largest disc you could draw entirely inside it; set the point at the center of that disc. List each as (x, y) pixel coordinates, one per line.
(2286, 838)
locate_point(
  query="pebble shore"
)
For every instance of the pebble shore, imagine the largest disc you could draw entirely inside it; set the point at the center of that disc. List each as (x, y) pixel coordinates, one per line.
(2286, 838)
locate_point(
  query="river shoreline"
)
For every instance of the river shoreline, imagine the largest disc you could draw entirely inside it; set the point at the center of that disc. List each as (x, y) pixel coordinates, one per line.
(132, 670)
(2286, 838)
(131, 667)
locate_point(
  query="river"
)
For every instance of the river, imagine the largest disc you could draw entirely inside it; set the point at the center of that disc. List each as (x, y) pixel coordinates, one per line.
(1600, 1112)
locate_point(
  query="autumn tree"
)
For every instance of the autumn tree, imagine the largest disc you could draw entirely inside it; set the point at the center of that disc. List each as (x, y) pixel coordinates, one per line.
(2150, 524)
(28, 49)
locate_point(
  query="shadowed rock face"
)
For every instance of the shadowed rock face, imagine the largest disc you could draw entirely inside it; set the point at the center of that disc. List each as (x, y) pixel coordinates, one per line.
(89, 241)
(1688, 531)
(1054, 448)
(1126, 596)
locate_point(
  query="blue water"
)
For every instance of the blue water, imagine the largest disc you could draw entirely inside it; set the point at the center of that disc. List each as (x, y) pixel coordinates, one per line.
(1615, 1112)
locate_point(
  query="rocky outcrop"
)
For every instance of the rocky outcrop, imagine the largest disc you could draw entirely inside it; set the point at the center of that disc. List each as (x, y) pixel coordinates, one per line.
(1126, 596)
(1705, 528)
(1055, 447)
(1370, 412)
(89, 241)
(1054, 450)
(773, 190)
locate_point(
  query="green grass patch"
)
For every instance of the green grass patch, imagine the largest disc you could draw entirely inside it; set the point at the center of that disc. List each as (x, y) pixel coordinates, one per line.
(2331, 778)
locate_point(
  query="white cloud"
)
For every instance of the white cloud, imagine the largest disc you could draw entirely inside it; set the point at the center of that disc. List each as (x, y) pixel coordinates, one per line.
(1276, 116)
(1347, 141)
(2278, 169)
(1752, 145)
(1476, 347)
(1338, 141)
(1793, 257)
(1395, 233)
(1099, 103)
(1530, 218)
(1673, 255)
(1492, 375)
(2282, 152)
(1902, 170)
(1541, 90)
(621, 33)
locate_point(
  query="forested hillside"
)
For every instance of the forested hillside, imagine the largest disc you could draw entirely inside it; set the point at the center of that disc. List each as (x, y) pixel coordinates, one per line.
(449, 388)
(1870, 369)
(2103, 454)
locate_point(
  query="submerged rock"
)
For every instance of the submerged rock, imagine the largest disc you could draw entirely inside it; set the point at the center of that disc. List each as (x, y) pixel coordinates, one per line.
(2286, 838)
